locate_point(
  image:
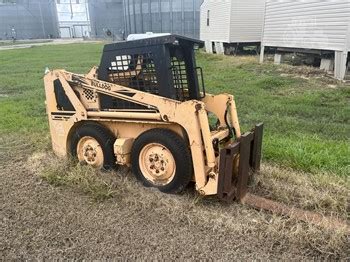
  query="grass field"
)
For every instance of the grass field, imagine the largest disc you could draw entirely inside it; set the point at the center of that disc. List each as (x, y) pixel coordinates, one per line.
(306, 163)
(21, 42)
(307, 121)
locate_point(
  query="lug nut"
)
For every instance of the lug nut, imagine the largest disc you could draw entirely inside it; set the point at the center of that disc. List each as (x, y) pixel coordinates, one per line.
(152, 167)
(157, 171)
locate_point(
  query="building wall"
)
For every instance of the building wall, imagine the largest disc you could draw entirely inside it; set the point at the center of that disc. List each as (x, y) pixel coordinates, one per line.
(219, 20)
(246, 22)
(35, 19)
(107, 15)
(73, 18)
(232, 21)
(307, 24)
(162, 16)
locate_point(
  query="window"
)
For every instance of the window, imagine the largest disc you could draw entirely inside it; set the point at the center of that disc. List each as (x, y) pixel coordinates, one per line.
(136, 71)
(121, 63)
(208, 13)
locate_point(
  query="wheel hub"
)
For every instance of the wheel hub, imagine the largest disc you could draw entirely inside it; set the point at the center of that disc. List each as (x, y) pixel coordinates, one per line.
(90, 154)
(157, 164)
(90, 151)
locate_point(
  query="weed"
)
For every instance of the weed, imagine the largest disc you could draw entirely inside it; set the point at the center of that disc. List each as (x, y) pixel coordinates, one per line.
(271, 83)
(83, 177)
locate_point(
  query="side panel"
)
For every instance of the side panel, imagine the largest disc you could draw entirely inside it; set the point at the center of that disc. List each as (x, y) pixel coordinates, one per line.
(60, 122)
(307, 24)
(246, 20)
(132, 129)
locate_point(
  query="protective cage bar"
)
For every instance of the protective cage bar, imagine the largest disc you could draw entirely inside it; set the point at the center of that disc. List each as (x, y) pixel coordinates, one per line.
(164, 66)
(138, 72)
(248, 146)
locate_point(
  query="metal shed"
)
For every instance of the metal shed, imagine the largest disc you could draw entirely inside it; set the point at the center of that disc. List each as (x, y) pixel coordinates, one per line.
(228, 23)
(162, 16)
(24, 19)
(318, 25)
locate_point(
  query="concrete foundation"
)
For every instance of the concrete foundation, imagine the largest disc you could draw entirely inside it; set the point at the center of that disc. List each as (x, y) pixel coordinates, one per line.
(219, 48)
(338, 64)
(208, 47)
(278, 59)
(340, 59)
(327, 64)
(262, 53)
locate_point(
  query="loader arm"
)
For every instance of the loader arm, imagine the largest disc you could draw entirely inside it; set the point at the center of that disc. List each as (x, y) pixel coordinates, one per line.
(164, 109)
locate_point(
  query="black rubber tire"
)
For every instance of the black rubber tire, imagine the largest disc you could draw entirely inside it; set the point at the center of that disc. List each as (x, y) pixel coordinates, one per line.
(180, 151)
(103, 136)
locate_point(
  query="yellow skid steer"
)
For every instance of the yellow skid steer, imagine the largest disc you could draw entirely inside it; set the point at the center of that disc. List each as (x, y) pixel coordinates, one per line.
(145, 106)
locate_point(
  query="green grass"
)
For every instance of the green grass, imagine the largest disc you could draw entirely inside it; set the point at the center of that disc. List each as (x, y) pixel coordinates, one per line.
(307, 121)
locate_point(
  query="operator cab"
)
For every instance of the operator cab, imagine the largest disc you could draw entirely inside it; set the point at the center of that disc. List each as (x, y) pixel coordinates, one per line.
(163, 66)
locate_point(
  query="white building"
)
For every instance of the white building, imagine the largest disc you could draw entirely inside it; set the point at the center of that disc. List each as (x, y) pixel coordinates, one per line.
(226, 23)
(322, 25)
(73, 17)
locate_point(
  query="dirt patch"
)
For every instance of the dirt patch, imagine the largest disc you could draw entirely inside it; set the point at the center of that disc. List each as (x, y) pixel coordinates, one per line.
(308, 73)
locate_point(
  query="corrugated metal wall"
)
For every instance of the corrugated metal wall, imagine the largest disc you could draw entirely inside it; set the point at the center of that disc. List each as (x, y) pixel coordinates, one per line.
(30, 19)
(232, 21)
(73, 18)
(106, 15)
(307, 24)
(162, 16)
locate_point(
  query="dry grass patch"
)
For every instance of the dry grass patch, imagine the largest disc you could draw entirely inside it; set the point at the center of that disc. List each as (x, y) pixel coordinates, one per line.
(100, 185)
(325, 193)
(238, 223)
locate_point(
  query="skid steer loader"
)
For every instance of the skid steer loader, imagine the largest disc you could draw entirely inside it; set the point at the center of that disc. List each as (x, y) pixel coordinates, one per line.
(145, 106)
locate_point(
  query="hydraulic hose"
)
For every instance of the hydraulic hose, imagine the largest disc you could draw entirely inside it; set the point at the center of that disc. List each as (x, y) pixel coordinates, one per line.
(231, 130)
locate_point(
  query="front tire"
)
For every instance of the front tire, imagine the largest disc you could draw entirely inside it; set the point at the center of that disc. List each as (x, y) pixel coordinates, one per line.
(161, 158)
(93, 144)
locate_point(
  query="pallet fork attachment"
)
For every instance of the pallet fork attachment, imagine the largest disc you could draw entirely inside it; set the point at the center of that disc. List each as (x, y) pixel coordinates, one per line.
(248, 147)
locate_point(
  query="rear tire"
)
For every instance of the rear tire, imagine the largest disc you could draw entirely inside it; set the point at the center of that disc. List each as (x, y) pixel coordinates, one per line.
(160, 158)
(93, 144)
